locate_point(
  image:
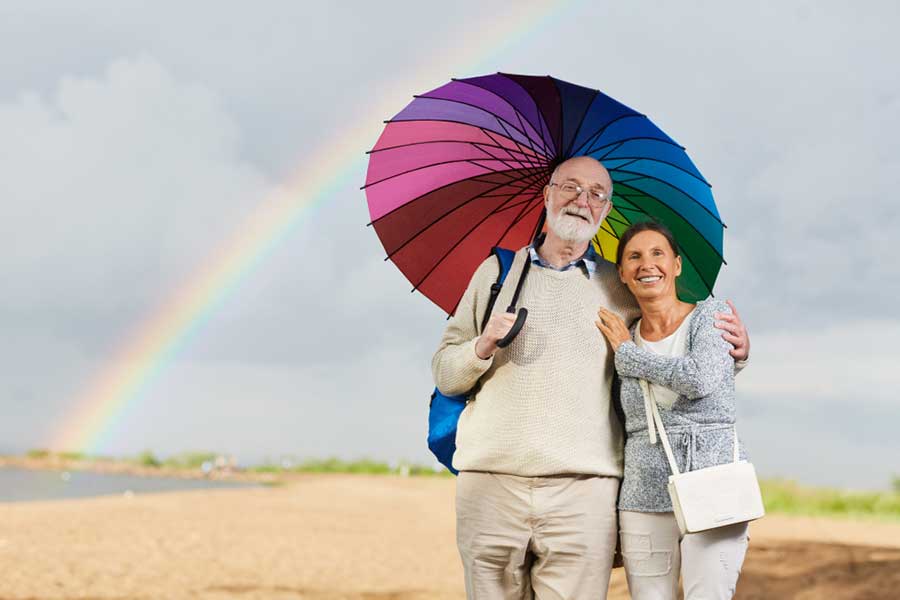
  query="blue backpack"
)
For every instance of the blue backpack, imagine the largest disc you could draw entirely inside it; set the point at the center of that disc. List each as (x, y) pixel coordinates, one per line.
(444, 411)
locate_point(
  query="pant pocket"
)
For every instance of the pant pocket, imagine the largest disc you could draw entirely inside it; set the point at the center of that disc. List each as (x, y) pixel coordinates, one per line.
(641, 559)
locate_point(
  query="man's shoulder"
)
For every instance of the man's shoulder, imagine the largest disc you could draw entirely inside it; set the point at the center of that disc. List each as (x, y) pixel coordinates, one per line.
(607, 274)
(489, 268)
(616, 293)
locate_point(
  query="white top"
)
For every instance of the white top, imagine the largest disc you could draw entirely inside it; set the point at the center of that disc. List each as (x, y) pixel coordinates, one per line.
(673, 345)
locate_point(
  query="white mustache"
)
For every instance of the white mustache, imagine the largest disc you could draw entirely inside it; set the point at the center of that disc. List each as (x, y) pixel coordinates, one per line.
(579, 211)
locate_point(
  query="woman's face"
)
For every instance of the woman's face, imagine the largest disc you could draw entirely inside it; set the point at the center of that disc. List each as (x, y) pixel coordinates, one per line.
(649, 266)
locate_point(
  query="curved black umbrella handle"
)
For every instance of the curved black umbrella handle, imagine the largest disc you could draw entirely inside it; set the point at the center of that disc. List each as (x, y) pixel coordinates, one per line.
(516, 328)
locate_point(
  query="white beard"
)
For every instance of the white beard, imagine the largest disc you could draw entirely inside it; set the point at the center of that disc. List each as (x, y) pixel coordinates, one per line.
(569, 227)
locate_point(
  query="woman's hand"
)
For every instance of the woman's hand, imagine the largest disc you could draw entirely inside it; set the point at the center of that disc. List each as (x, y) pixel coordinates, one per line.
(613, 327)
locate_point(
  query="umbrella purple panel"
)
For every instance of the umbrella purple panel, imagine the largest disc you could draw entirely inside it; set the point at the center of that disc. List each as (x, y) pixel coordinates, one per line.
(462, 169)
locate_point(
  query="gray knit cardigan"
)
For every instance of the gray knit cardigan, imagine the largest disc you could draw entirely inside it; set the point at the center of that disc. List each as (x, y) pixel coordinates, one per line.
(700, 422)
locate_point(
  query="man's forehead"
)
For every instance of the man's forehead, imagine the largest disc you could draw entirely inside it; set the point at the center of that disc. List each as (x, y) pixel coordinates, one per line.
(586, 179)
(584, 172)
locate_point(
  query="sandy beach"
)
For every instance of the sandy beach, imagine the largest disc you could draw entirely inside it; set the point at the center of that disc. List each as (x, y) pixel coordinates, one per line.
(353, 537)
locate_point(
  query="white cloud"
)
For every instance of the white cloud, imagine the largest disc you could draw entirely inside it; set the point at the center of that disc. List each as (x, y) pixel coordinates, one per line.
(853, 362)
(120, 177)
(116, 187)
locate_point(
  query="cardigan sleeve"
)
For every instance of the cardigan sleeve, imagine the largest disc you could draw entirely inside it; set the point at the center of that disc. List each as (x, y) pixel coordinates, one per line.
(706, 365)
(455, 366)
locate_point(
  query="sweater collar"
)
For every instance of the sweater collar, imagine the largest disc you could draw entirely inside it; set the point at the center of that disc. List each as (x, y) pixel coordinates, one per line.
(587, 261)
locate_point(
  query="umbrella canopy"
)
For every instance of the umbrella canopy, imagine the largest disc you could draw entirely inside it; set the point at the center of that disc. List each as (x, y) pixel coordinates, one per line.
(462, 169)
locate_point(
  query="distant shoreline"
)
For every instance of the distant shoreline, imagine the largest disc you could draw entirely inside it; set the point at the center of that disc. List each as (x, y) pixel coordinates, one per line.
(119, 467)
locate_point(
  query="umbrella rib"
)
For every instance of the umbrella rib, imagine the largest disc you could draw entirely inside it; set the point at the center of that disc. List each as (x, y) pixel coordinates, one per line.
(522, 125)
(488, 133)
(686, 255)
(521, 216)
(453, 247)
(517, 220)
(513, 106)
(618, 143)
(608, 229)
(655, 199)
(523, 161)
(443, 216)
(596, 135)
(515, 204)
(675, 187)
(581, 122)
(433, 120)
(615, 220)
(530, 145)
(493, 114)
(437, 164)
(511, 181)
(498, 186)
(634, 159)
(492, 157)
(398, 146)
(534, 155)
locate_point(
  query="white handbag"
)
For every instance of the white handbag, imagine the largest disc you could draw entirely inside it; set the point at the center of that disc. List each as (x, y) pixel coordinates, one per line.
(711, 497)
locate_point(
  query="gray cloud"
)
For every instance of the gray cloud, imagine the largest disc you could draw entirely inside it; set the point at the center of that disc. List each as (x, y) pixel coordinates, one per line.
(138, 139)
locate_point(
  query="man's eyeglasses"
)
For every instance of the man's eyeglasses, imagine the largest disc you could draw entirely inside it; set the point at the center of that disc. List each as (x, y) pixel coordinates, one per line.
(569, 191)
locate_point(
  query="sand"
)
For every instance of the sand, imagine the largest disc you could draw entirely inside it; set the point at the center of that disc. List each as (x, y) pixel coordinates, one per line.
(353, 537)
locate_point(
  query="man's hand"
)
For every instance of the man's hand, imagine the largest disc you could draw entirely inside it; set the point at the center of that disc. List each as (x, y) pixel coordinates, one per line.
(613, 327)
(735, 332)
(497, 328)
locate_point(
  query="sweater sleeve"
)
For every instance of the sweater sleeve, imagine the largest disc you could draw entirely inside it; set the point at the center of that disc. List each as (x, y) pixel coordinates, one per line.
(455, 366)
(706, 364)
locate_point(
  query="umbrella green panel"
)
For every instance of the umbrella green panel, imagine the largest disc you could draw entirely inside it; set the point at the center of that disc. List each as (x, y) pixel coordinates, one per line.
(701, 261)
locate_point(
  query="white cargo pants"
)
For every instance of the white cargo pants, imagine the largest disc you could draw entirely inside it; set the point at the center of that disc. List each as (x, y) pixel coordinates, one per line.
(655, 554)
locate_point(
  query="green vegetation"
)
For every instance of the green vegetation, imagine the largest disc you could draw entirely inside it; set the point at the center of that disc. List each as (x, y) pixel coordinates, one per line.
(147, 459)
(190, 460)
(895, 483)
(336, 465)
(38, 453)
(788, 497)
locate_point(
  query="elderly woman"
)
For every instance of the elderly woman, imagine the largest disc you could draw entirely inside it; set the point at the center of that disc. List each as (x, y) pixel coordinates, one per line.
(687, 368)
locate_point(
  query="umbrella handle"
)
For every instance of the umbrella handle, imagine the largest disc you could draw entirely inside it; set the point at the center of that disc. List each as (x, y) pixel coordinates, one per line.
(516, 328)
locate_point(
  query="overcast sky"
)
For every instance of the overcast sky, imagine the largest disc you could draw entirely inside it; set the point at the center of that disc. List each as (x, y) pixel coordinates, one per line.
(138, 138)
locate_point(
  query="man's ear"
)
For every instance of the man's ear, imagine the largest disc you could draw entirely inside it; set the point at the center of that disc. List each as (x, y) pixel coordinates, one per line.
(678, 262)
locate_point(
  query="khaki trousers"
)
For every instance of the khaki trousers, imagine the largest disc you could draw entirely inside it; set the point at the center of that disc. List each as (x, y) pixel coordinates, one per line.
(536, 537)
(656, 553)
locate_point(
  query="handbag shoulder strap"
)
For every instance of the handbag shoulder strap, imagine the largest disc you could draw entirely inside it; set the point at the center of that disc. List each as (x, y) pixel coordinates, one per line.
(654, 418)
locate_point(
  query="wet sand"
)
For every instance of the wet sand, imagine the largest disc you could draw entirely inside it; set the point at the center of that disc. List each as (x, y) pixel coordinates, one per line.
(354, 537)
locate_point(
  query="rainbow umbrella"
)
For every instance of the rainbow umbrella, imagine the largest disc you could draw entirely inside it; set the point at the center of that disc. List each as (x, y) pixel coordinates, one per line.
(462, 169)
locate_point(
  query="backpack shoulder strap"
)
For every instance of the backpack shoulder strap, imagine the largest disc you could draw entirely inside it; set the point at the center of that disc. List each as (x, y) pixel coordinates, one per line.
(505, 259)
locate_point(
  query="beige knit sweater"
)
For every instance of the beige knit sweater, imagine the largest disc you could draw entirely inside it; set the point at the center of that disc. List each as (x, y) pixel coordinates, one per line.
(541, 406)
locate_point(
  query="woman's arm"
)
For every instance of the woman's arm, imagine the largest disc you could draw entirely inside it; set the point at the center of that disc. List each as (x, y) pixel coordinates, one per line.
(704, 367)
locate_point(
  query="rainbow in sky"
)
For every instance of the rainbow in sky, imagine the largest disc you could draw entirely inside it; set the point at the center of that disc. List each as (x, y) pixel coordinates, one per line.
(155, 343)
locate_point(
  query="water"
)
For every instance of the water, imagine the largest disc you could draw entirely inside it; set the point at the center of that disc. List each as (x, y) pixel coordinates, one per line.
(19, 485)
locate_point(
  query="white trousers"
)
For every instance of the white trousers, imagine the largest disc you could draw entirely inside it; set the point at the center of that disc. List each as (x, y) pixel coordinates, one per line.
(547, 538)
(655, 554)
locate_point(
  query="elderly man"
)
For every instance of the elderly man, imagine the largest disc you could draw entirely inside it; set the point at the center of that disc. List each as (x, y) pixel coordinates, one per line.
(539, 446)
